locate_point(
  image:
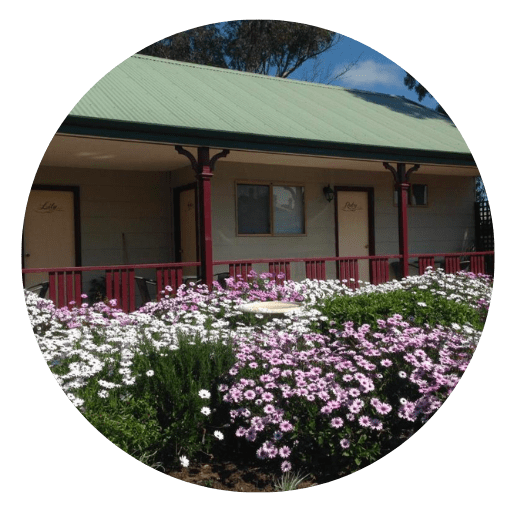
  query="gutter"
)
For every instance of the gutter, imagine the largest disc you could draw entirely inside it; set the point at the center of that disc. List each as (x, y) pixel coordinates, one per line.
(185, 136)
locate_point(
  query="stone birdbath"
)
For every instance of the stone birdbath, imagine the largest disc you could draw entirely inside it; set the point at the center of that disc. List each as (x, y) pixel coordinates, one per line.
(272, 308)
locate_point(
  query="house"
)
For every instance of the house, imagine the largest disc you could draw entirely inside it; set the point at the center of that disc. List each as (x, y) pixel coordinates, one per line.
(168, 171)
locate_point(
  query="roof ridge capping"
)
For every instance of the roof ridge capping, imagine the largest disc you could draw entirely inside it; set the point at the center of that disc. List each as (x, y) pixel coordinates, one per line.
(289, 80)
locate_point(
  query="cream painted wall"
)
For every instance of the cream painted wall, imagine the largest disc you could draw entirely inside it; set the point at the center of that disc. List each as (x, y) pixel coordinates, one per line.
(139, 204)
(446, 224)
(113, 203)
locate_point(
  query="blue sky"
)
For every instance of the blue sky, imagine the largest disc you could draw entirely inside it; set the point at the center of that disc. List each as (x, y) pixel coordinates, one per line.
(373, 71)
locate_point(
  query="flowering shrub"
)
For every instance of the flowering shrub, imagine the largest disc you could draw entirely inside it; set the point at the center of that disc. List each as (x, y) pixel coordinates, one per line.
(193, 374)
(353, 395)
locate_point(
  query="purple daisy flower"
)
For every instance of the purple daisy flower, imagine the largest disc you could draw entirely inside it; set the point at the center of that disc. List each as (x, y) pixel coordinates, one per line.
(284, 452)
(364, 421)
(286, 466)
(250, 394)
(337, 422)
(285, 426)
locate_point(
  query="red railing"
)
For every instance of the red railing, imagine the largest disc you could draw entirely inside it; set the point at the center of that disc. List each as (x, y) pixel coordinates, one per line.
(348, 268)
(121, 282)
(65, 284)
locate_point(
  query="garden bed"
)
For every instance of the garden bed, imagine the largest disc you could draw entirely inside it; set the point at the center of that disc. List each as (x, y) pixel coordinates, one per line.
(198, 388)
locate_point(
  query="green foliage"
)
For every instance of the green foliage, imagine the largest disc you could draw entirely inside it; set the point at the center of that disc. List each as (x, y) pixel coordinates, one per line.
(161, 419)
(289, 481)
(178, 377)
(417, 306)
(130, 423)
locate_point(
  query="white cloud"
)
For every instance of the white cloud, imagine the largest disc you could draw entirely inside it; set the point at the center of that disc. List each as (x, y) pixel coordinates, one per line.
(370, 73)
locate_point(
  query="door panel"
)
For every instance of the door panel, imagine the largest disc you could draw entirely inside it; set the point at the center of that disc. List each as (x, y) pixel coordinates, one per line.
(188, 236)
(48, 232)
(353, 228)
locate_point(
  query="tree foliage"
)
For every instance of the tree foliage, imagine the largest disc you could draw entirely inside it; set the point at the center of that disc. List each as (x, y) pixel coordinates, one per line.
(267, 47)
(420, 90)
(481, 194)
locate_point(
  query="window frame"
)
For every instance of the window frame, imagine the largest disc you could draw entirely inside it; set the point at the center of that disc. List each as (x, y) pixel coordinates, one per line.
(409, 197)
(271, 185)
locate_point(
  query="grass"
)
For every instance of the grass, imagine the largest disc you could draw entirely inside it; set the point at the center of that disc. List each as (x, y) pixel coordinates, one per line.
(289, 481)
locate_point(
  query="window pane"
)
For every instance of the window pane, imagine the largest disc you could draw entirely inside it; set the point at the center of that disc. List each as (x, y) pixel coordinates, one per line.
(253, 209)
(419, 195)
(288, 210)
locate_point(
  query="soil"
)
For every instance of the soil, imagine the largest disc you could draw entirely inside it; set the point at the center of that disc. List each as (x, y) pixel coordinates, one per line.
(237, 477)
(231, 477)
(234, 475)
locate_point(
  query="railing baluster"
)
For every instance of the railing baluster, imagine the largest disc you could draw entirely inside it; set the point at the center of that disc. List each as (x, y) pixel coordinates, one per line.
(355, 263)
(159, 287)
(109, 284)
(131, 287)
(280, 267)
(78, 287)
(61, 298)
(452, 264)
(349, 269)
(52, 287)
(379, 271)
(117, 288)
(69, 287)
(173, 279)
(124, 290)
(179, 277)
(477, 264)
(424, 262)
(315, 269)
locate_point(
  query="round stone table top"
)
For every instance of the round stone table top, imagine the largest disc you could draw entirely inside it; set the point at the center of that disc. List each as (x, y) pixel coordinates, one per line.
(273, 307)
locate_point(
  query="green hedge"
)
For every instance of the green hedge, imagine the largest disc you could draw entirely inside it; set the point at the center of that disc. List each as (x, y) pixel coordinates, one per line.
(416, 306)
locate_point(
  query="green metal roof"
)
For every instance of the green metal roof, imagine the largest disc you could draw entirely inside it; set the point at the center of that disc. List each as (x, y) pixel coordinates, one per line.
(175, 97)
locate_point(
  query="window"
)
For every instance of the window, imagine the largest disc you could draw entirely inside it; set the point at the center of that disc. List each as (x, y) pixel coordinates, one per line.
(418, 195)
(266, 209)
(253, 209)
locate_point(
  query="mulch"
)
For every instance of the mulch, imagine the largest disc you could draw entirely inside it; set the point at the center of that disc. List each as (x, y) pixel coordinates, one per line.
(231, 477)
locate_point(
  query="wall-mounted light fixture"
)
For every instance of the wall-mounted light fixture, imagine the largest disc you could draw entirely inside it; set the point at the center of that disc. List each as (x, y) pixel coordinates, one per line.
(328, 193)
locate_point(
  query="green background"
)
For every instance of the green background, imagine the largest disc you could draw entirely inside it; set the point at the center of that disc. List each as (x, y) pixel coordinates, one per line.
(52, 53)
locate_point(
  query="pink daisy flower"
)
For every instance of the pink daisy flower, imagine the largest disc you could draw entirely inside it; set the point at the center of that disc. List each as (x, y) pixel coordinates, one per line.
(285, 452)
(285, 426)
(337, 422)
(286, 466)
